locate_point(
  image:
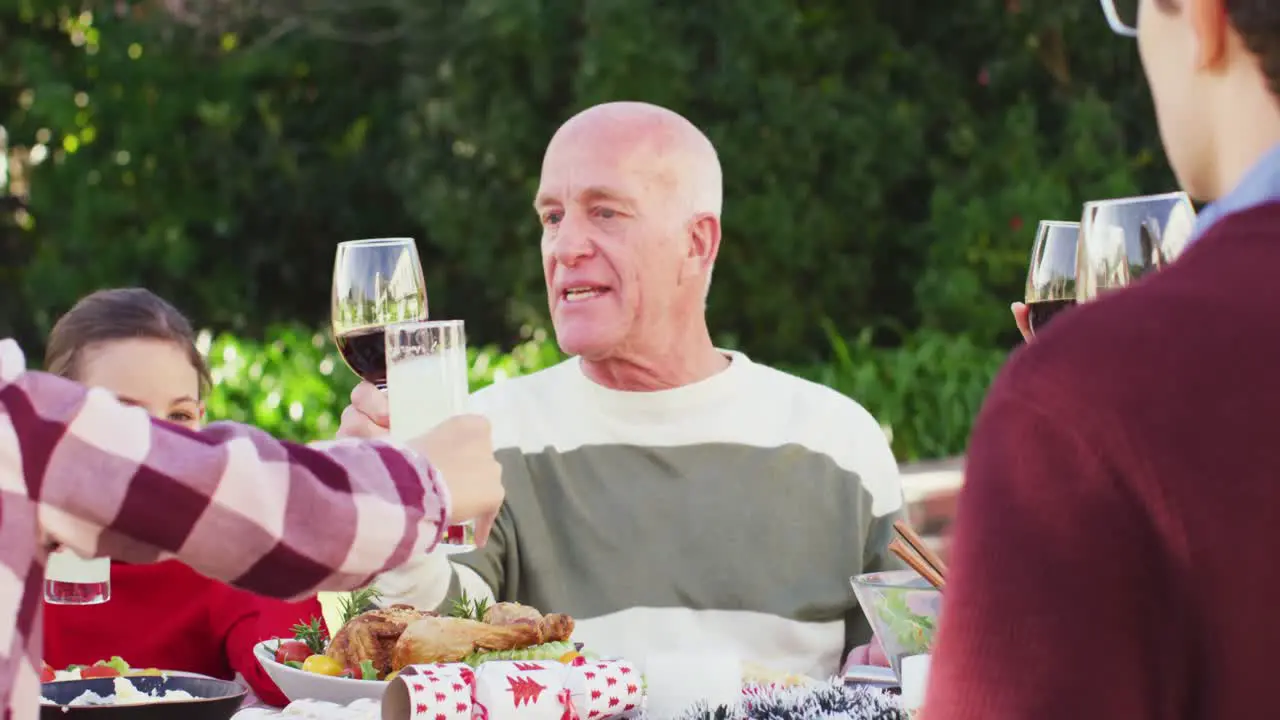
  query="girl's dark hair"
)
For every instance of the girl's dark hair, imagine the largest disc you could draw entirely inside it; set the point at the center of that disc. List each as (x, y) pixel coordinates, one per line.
(120, 314)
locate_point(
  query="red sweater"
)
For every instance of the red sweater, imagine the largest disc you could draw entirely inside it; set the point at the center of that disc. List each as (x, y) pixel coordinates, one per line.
(1115, 548)
(168, 616)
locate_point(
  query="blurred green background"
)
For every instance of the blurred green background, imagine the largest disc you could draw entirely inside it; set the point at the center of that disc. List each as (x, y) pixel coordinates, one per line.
(885, 167)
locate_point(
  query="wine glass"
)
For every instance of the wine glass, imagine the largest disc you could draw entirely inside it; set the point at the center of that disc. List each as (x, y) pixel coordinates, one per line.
(1123, 239)
(1051, 276)
(375, 283)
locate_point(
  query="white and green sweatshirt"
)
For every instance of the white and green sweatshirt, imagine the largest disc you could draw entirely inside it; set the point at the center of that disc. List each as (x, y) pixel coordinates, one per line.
(726, 515)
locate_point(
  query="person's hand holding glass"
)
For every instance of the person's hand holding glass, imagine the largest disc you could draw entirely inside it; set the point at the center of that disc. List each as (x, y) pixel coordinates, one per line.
(427, 384)
(1051, 276)
(380, 326)
(1119, 241)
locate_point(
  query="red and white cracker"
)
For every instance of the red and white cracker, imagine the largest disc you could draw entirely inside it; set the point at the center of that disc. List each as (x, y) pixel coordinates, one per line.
(523, 690)
(605, 689)
(431, 692)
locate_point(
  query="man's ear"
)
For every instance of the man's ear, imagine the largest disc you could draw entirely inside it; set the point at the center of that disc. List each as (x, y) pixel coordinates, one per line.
(1209, 26)
(704, 241)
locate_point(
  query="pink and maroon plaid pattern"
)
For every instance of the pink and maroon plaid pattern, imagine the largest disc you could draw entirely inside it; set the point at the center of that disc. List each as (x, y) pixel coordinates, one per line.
(277, 518)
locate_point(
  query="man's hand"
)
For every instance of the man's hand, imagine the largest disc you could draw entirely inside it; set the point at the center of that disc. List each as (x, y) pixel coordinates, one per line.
(869, 654)
(461, 448)
(368, 415)
(1021, 318)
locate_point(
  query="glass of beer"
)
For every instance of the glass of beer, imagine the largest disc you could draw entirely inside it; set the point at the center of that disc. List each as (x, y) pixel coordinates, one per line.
(72, 580)
(427, 383)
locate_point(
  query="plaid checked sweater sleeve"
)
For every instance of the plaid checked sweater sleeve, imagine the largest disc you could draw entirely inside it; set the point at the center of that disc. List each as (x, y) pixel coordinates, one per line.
(80, 469)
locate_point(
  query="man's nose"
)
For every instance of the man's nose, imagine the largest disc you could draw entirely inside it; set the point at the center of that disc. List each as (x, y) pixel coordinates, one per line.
(573, 242)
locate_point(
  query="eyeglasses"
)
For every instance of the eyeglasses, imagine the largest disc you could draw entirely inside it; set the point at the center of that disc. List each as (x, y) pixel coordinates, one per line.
(1122, 16)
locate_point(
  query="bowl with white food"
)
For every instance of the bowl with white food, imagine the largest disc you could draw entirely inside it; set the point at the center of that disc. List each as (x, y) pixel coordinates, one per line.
(148, 697)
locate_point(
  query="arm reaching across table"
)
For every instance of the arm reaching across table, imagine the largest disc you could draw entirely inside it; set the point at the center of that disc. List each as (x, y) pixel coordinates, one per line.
(79, 468)
(434, 580)
(273, 517)
(438, 578)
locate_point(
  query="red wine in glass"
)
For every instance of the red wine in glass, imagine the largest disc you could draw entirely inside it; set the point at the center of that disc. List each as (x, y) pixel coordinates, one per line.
(1040, 313)
(376, 283)
(365, 352)
(1051, 275)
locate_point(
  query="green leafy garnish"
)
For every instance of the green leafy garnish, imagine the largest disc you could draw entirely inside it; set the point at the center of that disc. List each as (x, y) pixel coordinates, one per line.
(367, 670)
(468, 609)
(545, 651)
(293, 664)
(312, 634)
(357, 603)
(116, 663)
(911, 631)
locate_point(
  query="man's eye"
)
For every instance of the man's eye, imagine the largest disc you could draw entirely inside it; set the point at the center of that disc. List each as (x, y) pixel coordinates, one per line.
(606, 213)
(552, 218)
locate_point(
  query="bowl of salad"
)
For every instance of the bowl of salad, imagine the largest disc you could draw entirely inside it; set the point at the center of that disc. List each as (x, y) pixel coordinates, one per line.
(903, 610)
(315, 676)
(113, 668)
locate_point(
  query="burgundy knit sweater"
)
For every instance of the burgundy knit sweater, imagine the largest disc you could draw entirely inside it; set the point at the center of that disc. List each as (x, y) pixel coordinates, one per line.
(1117, 545)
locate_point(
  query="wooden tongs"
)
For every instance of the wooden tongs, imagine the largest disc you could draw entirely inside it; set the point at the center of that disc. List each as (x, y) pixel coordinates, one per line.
(914, 552)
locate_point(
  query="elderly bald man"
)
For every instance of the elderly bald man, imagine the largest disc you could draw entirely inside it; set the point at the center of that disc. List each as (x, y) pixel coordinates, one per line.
(666, 493)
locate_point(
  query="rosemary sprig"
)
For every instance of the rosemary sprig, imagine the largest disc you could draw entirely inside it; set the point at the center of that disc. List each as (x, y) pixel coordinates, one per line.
(358, 602)
(466, 608)
(313, 634)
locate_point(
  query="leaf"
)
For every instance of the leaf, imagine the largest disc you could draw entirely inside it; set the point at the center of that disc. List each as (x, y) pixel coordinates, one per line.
(467, 609)
(312, 634)
(358, 602)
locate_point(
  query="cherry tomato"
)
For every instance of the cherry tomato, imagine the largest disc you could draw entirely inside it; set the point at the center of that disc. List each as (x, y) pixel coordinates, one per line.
(294, 650)
(46, 673)
(99, 671)
(322, 665)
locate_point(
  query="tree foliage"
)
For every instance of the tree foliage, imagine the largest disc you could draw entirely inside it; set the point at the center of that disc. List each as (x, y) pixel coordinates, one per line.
(884, 167)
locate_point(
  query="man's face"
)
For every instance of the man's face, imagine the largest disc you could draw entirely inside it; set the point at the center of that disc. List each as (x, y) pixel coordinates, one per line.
(611, 241)
(1167, 44)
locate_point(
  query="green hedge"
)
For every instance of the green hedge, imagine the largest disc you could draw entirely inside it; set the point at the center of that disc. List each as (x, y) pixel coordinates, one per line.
(883, 166)
(925, 392)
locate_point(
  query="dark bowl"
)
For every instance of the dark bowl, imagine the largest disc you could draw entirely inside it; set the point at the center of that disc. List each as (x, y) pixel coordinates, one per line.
(215, 699)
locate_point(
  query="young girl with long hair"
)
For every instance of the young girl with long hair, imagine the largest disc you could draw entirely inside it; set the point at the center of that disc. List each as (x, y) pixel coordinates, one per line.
(166, 615)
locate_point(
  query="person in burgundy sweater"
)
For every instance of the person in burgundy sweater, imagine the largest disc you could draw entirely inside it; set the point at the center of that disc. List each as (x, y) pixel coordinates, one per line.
(1114, 555)
(163, 615)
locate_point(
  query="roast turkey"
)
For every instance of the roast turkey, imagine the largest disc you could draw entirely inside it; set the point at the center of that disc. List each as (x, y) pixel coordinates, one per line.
(372, 636)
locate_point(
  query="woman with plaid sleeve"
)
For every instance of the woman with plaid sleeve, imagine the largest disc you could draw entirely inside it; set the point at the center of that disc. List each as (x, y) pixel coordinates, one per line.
(80, 468)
